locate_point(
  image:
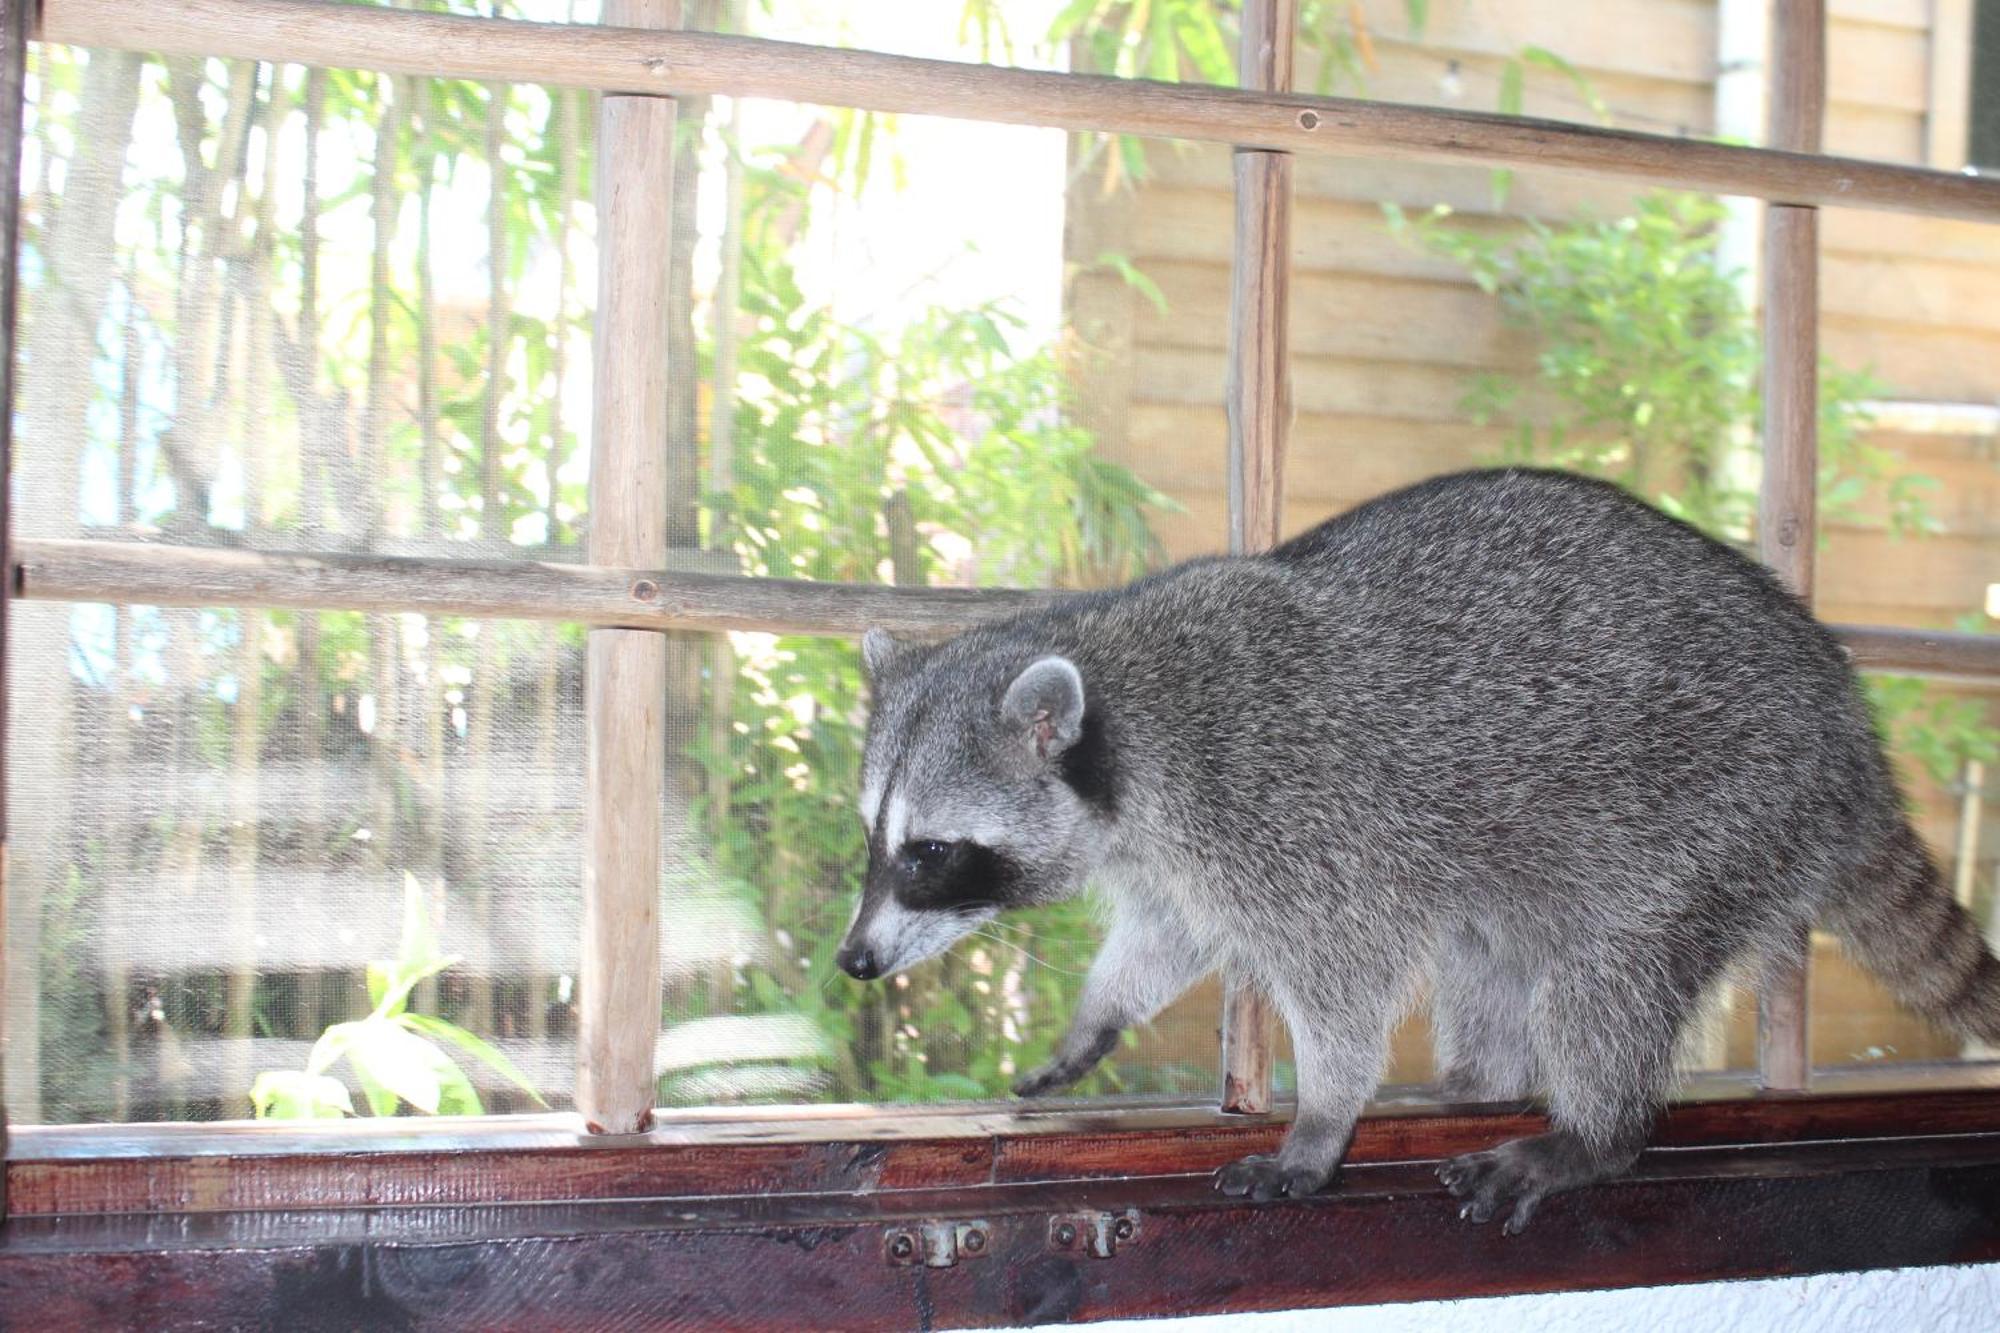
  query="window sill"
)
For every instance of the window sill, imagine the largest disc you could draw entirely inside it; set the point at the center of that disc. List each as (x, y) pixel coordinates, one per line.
(784, 1224)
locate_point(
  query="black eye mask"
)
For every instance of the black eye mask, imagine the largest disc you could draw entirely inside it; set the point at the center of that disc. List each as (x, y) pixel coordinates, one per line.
(955, 876)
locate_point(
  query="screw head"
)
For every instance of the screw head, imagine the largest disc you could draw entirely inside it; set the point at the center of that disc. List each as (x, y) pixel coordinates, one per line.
(1308, 120)
(645, 590)
(1124, 1229)
(903, 1246)
(1066, 1234)
(975, 1241)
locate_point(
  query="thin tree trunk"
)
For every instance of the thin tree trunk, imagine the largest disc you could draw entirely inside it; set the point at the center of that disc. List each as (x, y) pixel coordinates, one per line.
(428, 461)
(61, 349)
(689, 656)
(499, 316)
(198, 299)
(722, 456)
(298, 361)
(437, 806)
(245, 743)
(120, 844)
(568, 107)
(385, 208)
(201, 358)
(484, 701)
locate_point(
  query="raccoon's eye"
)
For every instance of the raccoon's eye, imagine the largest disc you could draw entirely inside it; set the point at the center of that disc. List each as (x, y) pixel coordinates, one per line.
(925, 853)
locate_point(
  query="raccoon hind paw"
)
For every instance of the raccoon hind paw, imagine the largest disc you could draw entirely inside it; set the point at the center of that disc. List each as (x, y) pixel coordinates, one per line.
(1266, 1176)
(1487, 1183)
(1518, 1175)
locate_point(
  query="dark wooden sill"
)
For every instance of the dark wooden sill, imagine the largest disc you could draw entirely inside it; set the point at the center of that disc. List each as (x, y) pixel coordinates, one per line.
(797, 1231)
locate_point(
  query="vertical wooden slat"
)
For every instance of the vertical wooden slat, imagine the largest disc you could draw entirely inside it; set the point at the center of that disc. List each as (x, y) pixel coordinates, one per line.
(626, 670)
(1259, 399)
(15, 17)
(1786, 506)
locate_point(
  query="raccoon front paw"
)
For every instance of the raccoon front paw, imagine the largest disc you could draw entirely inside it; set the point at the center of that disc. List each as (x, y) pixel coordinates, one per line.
(1072, 1062)
(1268, 1177)
(1051, 1077)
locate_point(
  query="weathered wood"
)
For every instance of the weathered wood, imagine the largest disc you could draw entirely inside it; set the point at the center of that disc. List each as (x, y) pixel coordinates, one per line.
(1383, 1233)
(15, 18)
(1787, 529)
(1258, 397)
(1787, 502)
(1922, 652)
(625, 673)
(1259, 392)
(167, 575)
(259, 1167)
(410, 42)
(653, 598)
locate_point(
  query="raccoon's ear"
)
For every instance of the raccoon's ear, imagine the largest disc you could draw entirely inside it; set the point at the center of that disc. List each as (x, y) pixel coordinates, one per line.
(1045, 705)
(879, 649)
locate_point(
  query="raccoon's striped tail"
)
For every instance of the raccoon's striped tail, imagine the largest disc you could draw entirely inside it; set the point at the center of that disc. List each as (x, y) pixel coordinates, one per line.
(1898, 920)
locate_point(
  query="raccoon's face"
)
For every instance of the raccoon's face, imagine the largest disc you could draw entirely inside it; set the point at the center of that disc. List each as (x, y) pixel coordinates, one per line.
(980, 791)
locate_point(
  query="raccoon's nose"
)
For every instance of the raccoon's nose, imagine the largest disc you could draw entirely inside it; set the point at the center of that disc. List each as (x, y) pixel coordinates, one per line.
(859, 962)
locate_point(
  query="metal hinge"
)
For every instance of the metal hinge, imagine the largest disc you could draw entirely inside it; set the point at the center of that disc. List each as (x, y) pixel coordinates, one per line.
(936, 1244)
(1099, 1234)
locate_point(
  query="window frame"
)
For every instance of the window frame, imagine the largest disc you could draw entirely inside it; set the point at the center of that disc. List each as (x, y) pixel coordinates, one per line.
(618, 1149)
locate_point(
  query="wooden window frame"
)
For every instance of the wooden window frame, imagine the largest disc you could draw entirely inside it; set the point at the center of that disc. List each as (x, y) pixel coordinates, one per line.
(975, 1214)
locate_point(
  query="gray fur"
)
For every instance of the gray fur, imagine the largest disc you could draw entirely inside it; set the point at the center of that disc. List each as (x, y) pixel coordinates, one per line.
(1511, 733)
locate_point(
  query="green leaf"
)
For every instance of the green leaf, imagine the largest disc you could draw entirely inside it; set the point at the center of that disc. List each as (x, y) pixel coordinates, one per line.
(478, 1048)
(1135, 278)
(381, 976)
(455, 1092)
(1547, 59)
(401, 983)
(1511, 88)
(381, 1101)
(419, 942)
(332, 1044)
(289, 1094)
(404, 1064)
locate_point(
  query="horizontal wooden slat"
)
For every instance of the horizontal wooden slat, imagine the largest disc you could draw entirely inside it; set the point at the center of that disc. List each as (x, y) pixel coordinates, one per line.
(629, 60)
(162, 575)
(1922, 652)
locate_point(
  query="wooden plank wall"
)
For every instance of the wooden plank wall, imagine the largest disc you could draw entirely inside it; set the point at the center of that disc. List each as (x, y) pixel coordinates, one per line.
(1385, 340)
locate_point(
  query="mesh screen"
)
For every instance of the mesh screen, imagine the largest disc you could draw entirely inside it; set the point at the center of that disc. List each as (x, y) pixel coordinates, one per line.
(333, 859)
(284, 310)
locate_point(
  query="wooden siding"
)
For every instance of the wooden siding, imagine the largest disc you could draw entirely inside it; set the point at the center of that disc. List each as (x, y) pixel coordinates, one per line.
(1386, 340)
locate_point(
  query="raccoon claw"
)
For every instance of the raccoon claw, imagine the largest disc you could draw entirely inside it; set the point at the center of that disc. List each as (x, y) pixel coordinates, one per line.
(1264, 1177)
(1487, 1182)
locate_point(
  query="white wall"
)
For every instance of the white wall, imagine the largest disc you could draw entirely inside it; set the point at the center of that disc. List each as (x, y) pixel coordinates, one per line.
(1935, 1300)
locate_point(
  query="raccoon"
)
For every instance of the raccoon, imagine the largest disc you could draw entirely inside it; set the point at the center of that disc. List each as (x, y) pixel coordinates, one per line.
(1509, 739)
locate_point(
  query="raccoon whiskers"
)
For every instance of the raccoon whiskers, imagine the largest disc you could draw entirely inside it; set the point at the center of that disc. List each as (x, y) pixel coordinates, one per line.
(1016, 945)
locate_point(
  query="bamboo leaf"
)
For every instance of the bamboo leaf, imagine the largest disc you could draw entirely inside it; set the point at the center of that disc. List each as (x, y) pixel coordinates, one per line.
(1511, 76)
(288, 1094)
(405, 1064)
(480, 1049)
(1547, 59)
